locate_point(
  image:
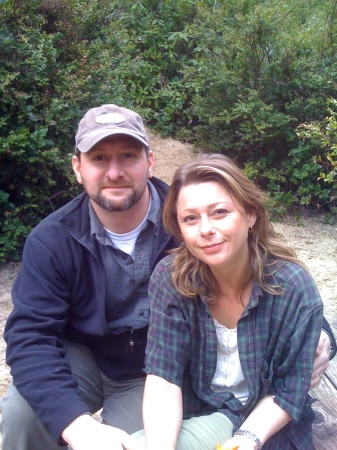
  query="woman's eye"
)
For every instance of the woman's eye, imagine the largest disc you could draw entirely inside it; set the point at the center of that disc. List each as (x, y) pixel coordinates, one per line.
(189, 219)
(220, 212)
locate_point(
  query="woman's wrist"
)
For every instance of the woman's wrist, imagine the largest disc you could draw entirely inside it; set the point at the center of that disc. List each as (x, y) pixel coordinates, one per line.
(250, 435)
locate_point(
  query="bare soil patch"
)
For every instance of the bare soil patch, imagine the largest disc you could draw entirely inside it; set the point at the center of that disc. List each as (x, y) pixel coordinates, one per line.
(7, 276)
(314, 241)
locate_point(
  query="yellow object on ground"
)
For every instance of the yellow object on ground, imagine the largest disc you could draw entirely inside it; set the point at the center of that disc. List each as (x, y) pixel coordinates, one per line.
(218, 447)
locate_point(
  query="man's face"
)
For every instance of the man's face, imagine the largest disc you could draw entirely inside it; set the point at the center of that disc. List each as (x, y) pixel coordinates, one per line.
(114, 172)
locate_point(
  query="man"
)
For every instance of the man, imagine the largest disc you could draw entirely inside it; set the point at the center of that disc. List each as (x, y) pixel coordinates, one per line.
(76, 337)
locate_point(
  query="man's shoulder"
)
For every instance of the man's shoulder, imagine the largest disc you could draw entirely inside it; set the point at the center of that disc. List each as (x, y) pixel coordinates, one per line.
(160, 186)
(71, 212)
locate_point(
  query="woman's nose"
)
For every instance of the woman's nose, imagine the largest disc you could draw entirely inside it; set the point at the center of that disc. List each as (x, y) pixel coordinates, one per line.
(206, 226)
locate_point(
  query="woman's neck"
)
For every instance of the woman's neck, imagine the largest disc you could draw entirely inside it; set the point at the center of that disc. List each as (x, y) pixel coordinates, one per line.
(233, 280)
(228, 307)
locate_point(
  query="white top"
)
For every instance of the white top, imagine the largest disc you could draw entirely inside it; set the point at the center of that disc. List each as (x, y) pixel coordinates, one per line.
(127, 241)
(228, 375)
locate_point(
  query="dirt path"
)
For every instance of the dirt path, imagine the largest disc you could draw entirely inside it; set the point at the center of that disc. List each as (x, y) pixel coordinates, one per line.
(314, 241)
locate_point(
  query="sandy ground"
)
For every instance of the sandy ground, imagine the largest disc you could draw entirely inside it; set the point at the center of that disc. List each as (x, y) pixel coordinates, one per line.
(314, 241)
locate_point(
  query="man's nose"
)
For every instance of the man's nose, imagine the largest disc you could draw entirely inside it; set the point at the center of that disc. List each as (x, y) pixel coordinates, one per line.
(114, 169)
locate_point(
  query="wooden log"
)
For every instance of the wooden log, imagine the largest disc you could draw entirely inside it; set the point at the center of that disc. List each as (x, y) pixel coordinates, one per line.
(325, 425)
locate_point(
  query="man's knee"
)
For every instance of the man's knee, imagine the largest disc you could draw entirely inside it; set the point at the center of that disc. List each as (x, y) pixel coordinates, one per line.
(123, 404)
(14, 408)
(21, 429)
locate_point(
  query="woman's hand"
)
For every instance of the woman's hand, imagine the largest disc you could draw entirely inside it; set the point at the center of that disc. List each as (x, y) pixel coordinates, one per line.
(321, 362)
(239, 443)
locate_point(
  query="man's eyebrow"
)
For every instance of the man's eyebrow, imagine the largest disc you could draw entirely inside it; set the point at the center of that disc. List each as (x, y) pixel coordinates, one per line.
(134, 146)
(131, 146)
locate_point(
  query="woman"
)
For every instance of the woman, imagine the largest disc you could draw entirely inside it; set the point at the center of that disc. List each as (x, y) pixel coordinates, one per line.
(235, 321)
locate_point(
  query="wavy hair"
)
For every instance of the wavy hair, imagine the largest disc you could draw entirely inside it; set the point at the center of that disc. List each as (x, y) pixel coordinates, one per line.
(190, 276)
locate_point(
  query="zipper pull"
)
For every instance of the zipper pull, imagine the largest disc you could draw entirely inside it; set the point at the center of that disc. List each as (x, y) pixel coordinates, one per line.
(132, 344)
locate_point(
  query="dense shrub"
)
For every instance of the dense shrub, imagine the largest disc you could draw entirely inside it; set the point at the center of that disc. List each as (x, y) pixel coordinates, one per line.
(55, 64)
(233, 76)
(263, 69)
(239, 77)
(161, 45)
(320, 139)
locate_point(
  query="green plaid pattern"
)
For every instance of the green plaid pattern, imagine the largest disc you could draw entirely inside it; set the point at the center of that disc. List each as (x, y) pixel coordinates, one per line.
(277, 339)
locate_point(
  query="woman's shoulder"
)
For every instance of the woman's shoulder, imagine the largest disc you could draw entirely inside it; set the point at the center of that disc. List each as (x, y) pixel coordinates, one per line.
(288, 273)
(162, 270)
(287, 270)
(164, 264)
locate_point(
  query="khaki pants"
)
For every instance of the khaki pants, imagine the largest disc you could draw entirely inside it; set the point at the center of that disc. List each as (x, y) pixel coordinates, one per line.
(200, 433)
(120, 401)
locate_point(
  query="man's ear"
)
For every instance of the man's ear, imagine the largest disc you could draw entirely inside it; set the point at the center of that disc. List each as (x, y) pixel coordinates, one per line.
(151, 160)
(76, 168)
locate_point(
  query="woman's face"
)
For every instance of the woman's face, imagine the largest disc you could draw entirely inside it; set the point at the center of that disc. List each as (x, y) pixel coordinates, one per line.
(213, 226)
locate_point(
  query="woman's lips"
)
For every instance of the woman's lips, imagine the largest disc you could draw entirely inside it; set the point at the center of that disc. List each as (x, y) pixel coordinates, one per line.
(211, 248)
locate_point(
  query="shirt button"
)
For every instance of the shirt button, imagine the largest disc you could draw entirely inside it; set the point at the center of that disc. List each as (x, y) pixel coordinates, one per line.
(141, 313)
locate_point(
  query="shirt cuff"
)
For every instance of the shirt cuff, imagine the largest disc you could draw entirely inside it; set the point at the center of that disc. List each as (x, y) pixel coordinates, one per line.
(327, 329)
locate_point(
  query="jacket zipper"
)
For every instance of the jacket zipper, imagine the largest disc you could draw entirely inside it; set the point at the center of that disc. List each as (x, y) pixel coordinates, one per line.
(132, 342)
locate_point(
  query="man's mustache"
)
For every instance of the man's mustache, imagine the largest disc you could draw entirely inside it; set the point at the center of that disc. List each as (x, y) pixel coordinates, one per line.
(113, 185)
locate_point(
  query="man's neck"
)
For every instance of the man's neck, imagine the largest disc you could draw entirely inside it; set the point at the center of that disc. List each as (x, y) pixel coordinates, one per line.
(122, 222)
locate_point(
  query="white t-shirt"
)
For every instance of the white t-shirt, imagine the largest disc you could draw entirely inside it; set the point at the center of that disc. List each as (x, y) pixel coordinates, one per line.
(228, 375)
(127, 241)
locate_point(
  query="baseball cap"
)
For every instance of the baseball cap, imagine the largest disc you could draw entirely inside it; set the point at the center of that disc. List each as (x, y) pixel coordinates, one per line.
(107, 120)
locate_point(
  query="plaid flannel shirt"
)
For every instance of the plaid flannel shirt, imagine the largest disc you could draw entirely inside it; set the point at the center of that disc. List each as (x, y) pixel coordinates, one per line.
(277, 340)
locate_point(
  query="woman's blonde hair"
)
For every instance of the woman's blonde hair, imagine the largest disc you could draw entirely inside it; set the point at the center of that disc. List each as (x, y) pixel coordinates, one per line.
(191, 276)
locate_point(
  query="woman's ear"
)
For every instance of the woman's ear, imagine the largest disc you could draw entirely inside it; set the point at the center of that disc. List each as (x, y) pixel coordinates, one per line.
(252, 219)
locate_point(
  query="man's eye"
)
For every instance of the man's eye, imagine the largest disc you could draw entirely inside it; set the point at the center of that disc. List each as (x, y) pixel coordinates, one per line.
(98, 158)
(128, 155)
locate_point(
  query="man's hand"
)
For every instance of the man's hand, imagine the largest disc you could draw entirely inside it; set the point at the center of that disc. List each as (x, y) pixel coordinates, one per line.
(321, 362)
(85, 433)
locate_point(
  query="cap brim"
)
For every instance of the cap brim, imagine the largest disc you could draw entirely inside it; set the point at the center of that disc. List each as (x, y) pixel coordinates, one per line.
(88, 142)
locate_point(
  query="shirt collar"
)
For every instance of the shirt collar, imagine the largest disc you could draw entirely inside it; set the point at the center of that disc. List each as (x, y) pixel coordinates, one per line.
(254, 298)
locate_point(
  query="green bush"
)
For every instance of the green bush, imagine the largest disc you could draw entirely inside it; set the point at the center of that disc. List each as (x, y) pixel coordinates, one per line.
(320, 138)
(13, 231)
(160, 45)
(56, 62)
(262, 69)
(235, 76)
